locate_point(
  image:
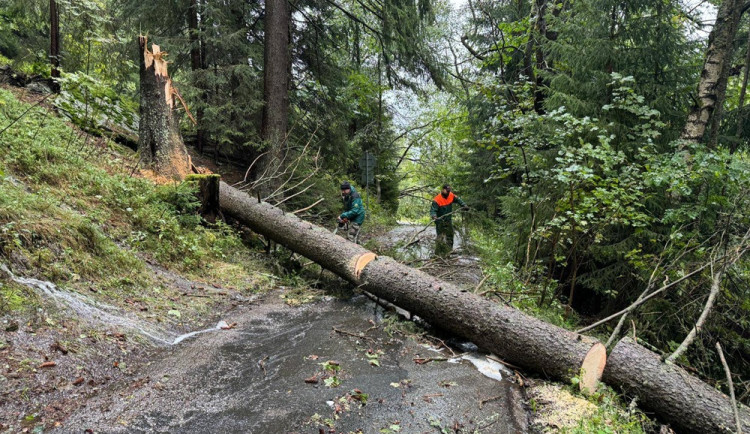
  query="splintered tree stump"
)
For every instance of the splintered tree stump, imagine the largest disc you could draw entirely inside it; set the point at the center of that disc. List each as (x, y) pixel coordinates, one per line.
(208, 195)
(512, 335)
(684, 401)
(159, 139)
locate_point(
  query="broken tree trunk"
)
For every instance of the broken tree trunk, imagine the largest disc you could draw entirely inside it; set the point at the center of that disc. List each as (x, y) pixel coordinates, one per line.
(208, 195)
(668, 390)
(159, 139)
(514, 336)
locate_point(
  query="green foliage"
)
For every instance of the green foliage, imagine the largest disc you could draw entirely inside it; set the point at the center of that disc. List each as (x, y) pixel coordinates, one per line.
(65, 191)
(592, 205)
(596, 38)
(612, 415)
(527, 290)
(91, 103)
(16, 299)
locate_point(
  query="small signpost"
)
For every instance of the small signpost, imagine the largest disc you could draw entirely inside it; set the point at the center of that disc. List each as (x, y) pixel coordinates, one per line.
(367, 166)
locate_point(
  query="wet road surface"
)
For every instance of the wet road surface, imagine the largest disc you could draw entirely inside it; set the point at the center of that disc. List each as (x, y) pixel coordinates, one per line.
(251, 379)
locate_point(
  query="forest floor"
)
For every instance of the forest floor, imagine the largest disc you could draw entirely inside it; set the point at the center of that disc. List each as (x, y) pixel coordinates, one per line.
(109, 346)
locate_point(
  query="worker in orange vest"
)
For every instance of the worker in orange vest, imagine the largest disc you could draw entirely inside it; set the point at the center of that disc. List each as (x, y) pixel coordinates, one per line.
(441, 213)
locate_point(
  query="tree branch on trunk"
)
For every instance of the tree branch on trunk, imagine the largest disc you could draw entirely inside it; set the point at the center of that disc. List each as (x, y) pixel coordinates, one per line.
(715, 287)
(643, 300)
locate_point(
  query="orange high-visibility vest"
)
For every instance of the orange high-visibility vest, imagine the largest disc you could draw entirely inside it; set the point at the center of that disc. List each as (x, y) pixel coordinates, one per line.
(444, 201)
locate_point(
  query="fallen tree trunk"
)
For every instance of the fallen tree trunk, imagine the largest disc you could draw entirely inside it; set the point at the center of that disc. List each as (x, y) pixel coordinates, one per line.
(512, 335)
(677, 397)
(670, 391)
(208, 195)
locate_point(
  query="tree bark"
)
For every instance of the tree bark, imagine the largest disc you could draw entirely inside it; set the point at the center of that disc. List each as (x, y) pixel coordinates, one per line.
(54, 45)
(159, 139)
(741, 103)
(713, 82)
(512, 335)
(668, 390)
(196, 62)
(540, 31)
(276, 73)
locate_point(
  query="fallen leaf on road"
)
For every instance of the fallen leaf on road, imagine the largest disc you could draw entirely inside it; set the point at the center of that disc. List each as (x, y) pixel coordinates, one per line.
(59, 347)
(312, 380)
(47, 364)
(78, 381)
(229, 327)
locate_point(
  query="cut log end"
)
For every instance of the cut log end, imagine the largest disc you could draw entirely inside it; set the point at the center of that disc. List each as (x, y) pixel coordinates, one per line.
(592, 368)
(361, 262)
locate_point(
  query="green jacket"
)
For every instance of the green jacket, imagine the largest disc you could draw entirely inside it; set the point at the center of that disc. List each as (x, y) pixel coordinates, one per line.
(444, 205)
(353, 208)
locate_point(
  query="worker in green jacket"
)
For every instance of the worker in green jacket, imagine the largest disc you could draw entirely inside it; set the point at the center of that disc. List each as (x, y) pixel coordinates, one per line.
(354, 212)
(441, 213)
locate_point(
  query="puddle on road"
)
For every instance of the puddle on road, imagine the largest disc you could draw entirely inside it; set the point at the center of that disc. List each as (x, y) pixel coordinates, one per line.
(414, 243)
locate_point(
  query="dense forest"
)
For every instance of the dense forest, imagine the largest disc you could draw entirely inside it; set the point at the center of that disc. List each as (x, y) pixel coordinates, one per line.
(600, 145)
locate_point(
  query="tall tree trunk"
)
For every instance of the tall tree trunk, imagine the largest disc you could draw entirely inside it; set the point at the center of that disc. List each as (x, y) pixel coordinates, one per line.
(159, 140)
(196, 61)
(54, 44)
(540, 32)
(276, 72)
(741, 103)
(713, 82)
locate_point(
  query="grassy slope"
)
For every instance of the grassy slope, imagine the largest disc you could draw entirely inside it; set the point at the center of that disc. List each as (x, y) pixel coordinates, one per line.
(71, 213)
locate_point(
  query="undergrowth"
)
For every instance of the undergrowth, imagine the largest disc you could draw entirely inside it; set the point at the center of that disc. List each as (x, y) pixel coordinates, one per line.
(74, 211)
(612, 415)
